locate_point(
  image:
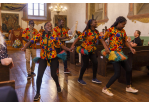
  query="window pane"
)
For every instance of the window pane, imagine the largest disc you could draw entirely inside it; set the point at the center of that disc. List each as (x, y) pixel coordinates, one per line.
(35, 5)
(41, 6)
(30, 12)
(35, 12)
(41, 13)
(30, 5)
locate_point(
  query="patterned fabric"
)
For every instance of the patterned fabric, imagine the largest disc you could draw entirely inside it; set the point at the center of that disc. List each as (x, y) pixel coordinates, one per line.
(3, 52)
(26, 34)
(79, 33)
(47, 51)
(41, 31)
(67, 30)
(114, 56)
(89, 40)
(60, 33)
(17, 43)
(116, 39)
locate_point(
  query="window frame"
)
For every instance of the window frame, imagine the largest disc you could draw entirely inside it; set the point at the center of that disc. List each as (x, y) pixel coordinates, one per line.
(38, 11)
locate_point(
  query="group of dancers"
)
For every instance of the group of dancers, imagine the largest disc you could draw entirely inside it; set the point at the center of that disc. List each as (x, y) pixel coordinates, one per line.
(51, 45)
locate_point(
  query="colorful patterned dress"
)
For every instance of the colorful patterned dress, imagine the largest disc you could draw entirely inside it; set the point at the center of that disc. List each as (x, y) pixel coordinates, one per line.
(116, 43)
(89, 40)
(47, 50)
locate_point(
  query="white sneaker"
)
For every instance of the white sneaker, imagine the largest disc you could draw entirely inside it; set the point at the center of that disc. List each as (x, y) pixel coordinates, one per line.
(107, 91)
(132, 90)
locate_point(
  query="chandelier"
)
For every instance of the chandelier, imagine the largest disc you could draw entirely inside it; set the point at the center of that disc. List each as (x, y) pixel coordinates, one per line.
(58, 8)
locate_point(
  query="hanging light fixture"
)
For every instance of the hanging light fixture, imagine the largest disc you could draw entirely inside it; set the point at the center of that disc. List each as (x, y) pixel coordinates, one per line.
(58, 8)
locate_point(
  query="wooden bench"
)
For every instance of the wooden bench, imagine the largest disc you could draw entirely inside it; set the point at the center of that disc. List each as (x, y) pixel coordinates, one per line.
(141, 58)
(74, 57)
(5, 77)
(4, 73)
(103, 62)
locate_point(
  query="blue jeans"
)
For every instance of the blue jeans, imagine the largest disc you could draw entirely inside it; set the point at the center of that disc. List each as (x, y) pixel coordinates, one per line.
(58, 50)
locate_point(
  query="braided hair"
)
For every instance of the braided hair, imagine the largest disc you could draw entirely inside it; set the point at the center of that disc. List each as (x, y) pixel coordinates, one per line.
(120, 19)
(88, 26)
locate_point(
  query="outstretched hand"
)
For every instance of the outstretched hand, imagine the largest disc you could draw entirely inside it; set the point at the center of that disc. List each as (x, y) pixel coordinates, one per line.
(107, 51)
(11, 65)
(72, 48)
(23, 49)
(101, 33)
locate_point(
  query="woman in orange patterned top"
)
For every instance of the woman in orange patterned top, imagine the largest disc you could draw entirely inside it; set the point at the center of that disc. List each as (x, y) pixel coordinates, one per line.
(48, 53)
(117, 38)
(87, 48)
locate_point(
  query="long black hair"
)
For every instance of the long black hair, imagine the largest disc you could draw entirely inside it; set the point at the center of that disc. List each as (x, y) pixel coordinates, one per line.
(120, 19)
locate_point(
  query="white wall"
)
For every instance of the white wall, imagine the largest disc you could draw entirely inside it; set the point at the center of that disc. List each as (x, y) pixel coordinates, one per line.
(77, 12)
(122, 9)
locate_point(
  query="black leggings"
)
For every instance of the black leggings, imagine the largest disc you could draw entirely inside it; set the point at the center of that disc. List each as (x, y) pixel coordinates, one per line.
(41, 69)
(85, 59)
(117, 72)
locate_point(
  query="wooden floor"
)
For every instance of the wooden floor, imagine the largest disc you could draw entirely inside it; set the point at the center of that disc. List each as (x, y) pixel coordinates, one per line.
(72, 91)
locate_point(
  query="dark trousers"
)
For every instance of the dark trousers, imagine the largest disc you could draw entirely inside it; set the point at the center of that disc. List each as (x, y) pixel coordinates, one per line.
(58, 50)
(85, 59)
(41, 69)
(117, 72)
(8, 94)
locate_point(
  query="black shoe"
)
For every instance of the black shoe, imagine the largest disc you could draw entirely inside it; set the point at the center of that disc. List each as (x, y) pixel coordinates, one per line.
(33, 74)
(29, 76)
(58, 89)
(37, 97)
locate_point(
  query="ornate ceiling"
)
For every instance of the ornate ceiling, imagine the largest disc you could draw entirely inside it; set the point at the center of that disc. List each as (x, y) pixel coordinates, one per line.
(13, 6)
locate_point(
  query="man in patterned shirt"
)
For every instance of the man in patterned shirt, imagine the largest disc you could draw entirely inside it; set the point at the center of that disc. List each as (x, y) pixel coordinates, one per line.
(41, 30)
(29, 33)
(61, 33)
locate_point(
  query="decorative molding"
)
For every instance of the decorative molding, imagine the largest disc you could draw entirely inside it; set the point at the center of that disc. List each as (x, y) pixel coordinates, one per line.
(144, 18)
(37, 20)
(99, 22)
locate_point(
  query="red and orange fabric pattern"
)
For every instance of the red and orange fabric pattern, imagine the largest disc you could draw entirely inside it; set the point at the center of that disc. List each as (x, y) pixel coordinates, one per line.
(47, 45)
(58, 32)
(89, 39)
(116, 38)
(116, 43)
(41, 31)
(26, 34)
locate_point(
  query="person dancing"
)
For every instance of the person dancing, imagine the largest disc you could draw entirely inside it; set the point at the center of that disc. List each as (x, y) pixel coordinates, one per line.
(48, 53)
(61, 33)
(117, 38)
(89, 36)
